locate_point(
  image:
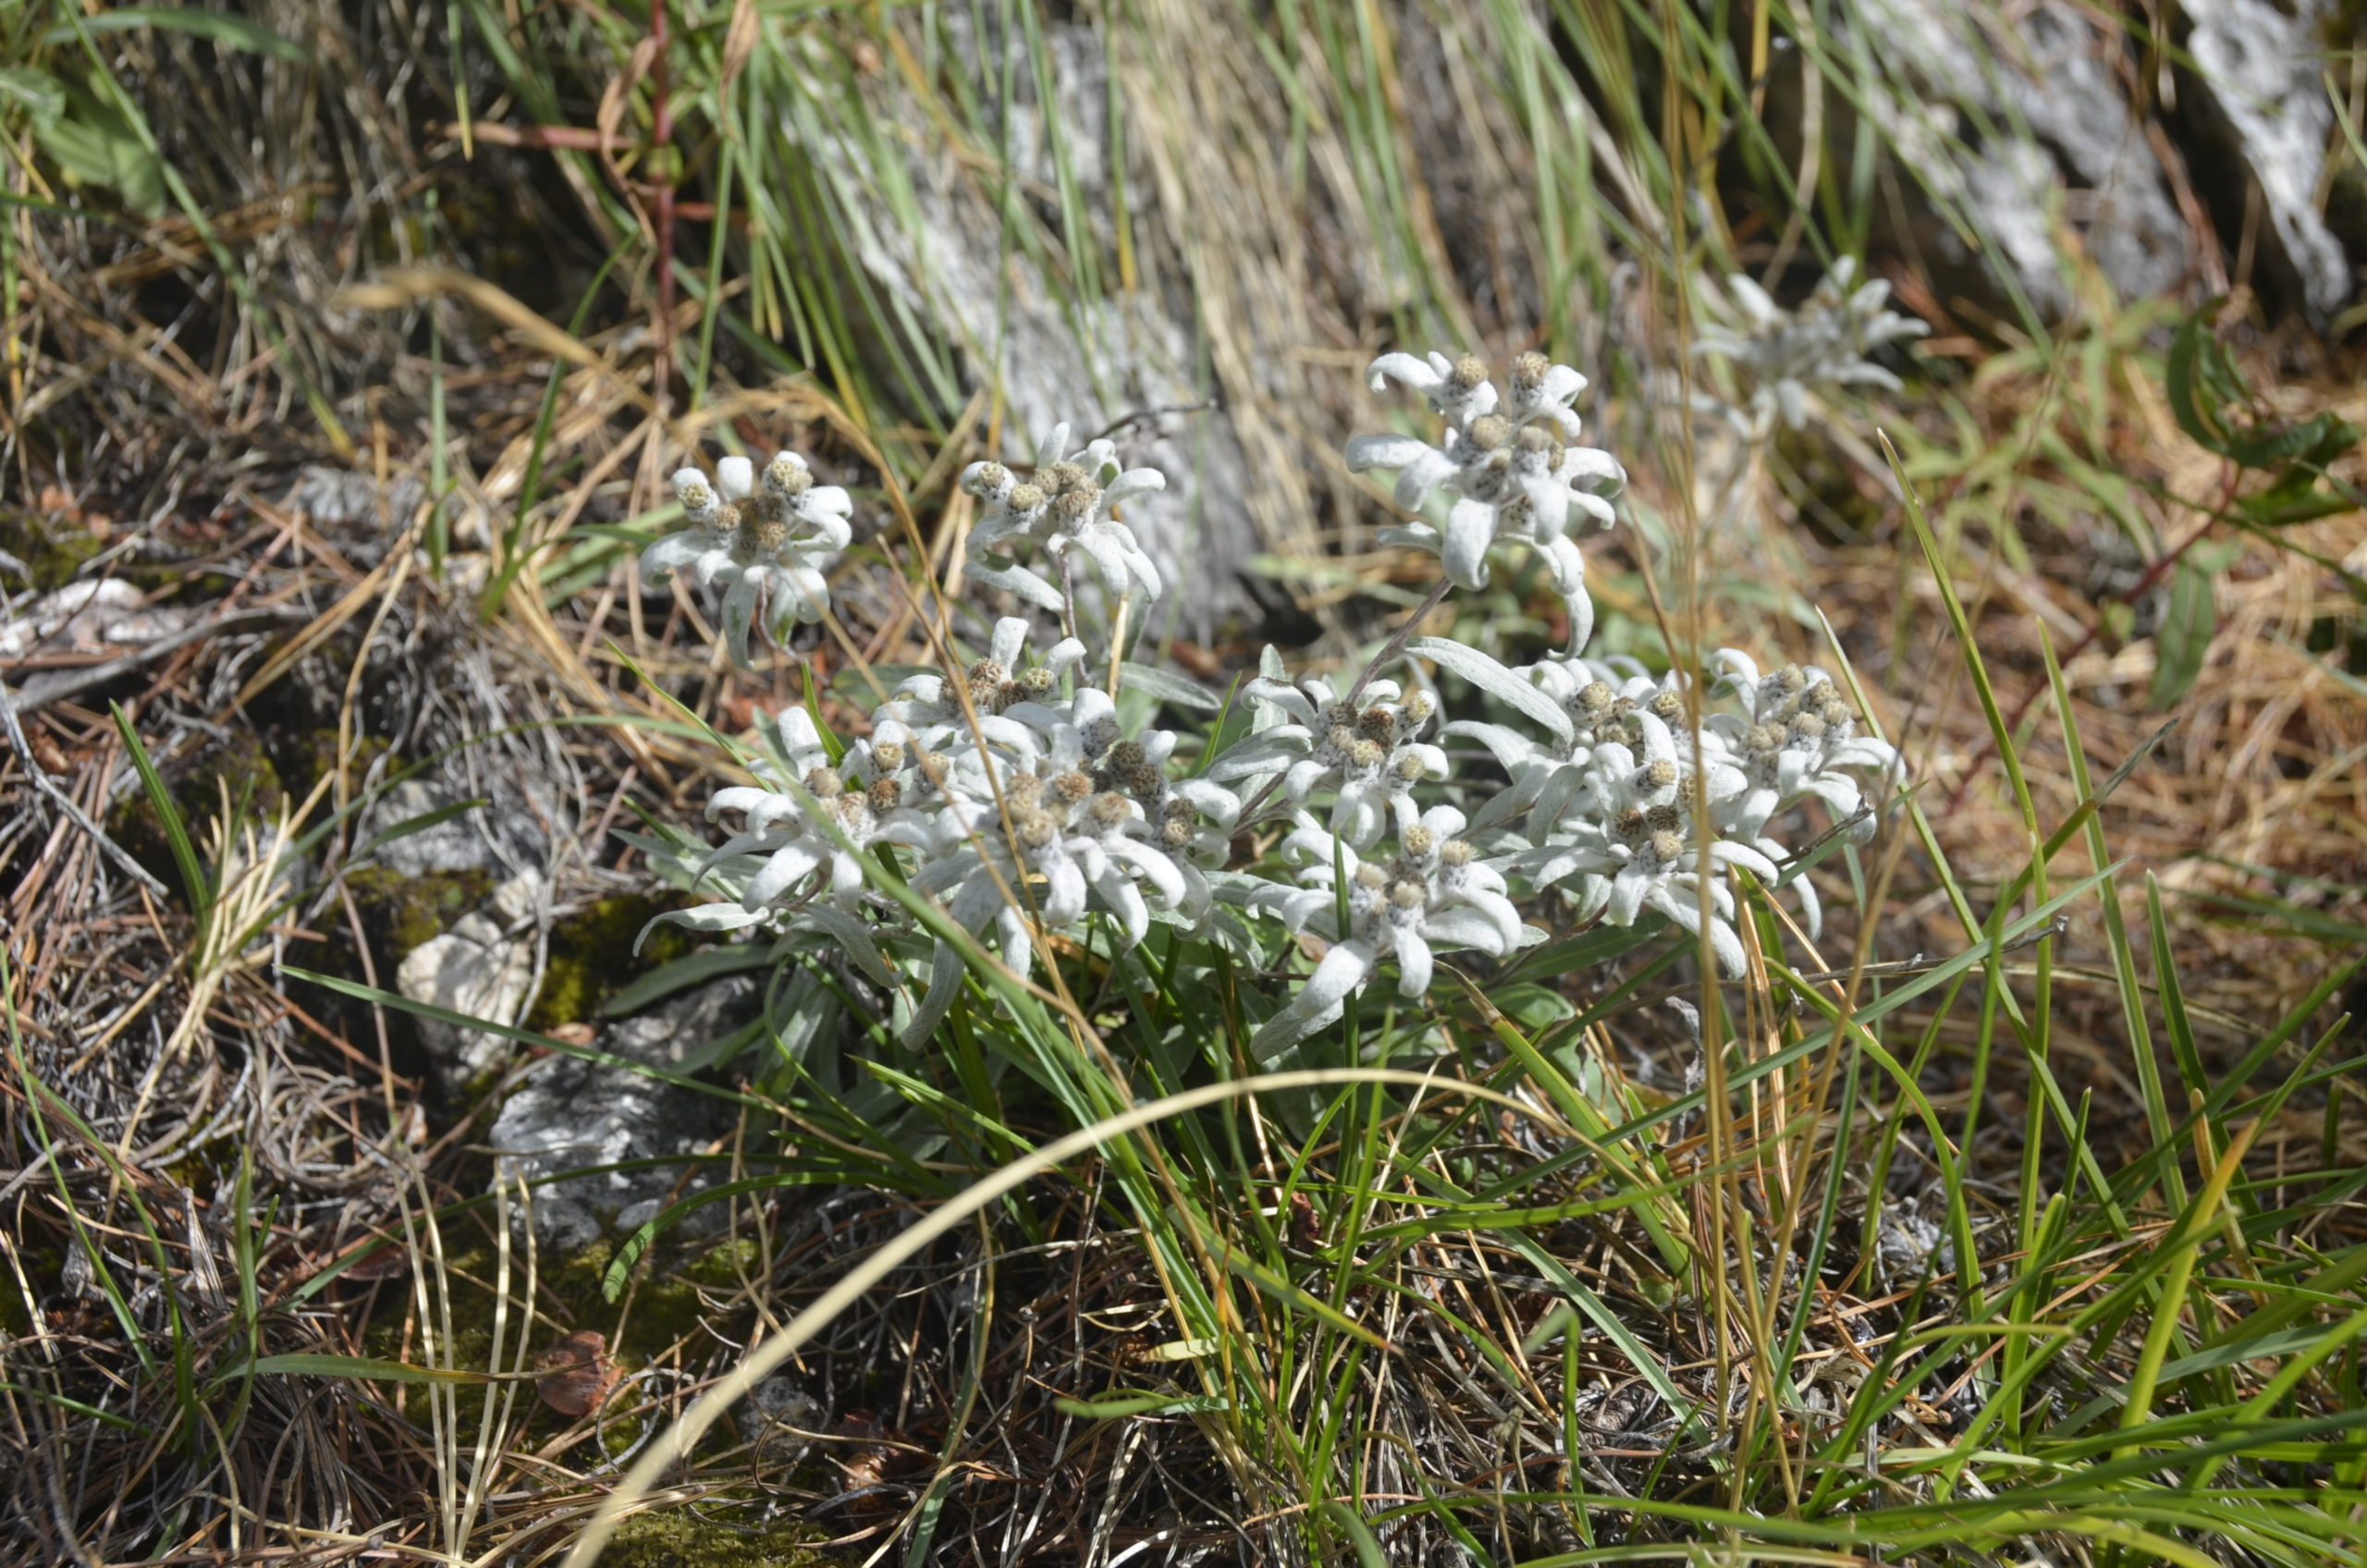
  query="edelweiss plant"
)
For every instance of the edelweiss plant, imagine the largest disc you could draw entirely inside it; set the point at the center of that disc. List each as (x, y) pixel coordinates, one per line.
(1010, 790)
(1786, 354)
(1369, 754)
(1505, 468)
(1068, 505)
(1434, 894)
(763, 539)
(1628, 799)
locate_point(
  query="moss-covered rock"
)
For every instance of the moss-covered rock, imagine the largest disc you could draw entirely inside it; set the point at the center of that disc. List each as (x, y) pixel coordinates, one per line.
(51, 550)
(591, 957)
(305, 757)
(677, 1537)
(671, 1293)
(398, 915)
(401, 913)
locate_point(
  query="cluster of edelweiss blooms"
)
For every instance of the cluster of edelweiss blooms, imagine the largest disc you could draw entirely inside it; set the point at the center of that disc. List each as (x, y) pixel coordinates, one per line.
(1825, 341)
(1017, 801)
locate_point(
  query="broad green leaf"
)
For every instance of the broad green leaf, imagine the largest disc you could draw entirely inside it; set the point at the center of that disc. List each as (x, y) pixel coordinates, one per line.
(2183, 638)
(42, 94)
(2180, 377)
(2322, 437)
(2281, 509)
(93, 144)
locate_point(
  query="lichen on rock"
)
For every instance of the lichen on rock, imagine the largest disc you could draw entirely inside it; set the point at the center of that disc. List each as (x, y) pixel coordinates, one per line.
(588, 1118)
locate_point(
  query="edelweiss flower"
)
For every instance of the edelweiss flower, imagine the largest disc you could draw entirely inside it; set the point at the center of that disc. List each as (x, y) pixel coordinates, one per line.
(1371, 756)
(805, 824)
(1787, 353)
(1435, 894)
(1045, 803)
(1082, 736)
(1644, 858)
(763, 538)
(1597, 702)
(1800, 739)
(931, 708)
(1505, 468)
(792, 829)
(1067, 504)
(1071, 842)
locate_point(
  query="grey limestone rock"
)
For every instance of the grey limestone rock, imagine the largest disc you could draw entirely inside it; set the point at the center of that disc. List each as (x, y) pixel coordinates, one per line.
(2008, 127)
(772, 1417)
(952, 265)
(341, 497)
(502, 836)
(482, 968)
(2016, 124)
(572, 1115)
(353, 508)
(2261, 108)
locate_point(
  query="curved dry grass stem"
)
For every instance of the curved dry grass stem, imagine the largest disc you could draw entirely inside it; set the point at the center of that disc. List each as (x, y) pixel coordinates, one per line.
(682, 1437)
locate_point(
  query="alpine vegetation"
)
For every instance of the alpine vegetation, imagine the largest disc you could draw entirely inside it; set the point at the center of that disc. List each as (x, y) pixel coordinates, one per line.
(1068, 505)
(1019, 801)
(763, 539)
(1505, 468)
(1784, 355)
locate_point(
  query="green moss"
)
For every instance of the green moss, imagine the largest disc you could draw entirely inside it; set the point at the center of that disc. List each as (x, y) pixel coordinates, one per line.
(724, 1266)
(42, 1265)
(307, 756)
(403, 912)
(591, 957)
(52, 551)
(667, 1302)
(575, 1280)
(396, 913)
(678, 1537)
(666, 1308)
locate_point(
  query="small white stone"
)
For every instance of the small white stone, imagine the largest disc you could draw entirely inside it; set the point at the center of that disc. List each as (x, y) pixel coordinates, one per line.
(476, 971)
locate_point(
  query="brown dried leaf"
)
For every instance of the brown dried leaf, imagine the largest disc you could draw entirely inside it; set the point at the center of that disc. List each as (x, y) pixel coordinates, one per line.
(576, 1373)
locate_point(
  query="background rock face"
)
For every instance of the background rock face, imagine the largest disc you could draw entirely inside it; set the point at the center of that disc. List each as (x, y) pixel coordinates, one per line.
(1111, 274)
(2023, 130)
(2010, 128)
(2262, 113)
(502, 836)
(1131, 352)
(571, 1114)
